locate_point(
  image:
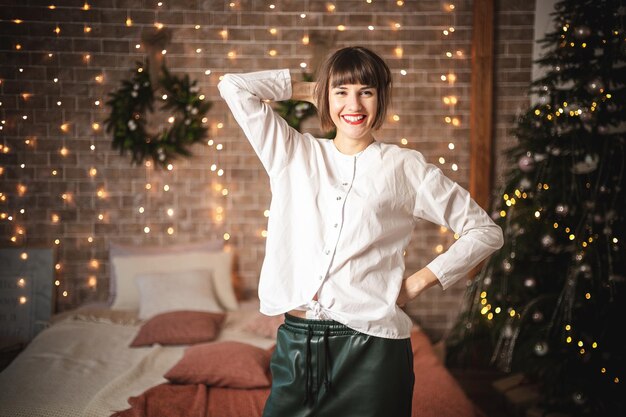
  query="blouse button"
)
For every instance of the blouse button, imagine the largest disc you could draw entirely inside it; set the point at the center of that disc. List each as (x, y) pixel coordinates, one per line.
(327, 252)
(335, 225)
(338, 198)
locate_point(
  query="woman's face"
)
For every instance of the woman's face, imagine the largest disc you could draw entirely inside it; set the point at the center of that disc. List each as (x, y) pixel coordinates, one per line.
(353, 109)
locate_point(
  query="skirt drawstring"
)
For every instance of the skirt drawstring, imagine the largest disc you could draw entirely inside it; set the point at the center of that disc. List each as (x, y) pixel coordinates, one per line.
(310, 391)
(307, 375)
(327, 363)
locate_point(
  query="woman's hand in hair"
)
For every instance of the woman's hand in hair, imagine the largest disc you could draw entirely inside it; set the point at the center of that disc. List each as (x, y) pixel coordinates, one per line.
(303, 91)
(415, 284)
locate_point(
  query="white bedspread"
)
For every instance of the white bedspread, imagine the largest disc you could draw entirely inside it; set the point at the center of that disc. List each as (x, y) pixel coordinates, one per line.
(81, 367)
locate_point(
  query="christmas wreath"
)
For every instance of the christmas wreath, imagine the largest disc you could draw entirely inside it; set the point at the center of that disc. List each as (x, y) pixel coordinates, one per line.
(132, 102)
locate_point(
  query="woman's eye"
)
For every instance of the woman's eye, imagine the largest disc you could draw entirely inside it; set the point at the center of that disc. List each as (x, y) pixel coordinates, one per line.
(367, 93)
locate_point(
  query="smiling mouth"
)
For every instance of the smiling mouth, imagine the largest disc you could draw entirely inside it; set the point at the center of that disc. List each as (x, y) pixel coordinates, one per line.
(353, 119)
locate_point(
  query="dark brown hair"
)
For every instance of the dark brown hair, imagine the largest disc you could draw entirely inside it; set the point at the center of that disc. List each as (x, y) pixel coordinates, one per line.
(353, 65)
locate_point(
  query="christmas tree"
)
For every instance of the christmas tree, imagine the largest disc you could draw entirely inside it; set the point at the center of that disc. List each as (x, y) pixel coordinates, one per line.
(551, 303)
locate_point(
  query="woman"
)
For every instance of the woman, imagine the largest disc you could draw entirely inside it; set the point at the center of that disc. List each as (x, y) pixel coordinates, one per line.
(341, 216)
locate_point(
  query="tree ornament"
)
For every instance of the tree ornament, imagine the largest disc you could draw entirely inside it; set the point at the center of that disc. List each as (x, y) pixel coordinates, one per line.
(561, 209)
(487, 281)
(585, 115)
(530, 282)
(541, 348)
(594, 86)
(525, 184)
(582, 32)
(507, 331)
(579, 398)
(554, 150)
(526, 163)
(585, 270)
(547, 241)
(135, 99)
(507, 266)
(537, 316)
(589, 164)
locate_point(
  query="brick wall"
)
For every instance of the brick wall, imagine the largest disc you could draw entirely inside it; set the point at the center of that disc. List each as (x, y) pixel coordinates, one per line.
(78, 195)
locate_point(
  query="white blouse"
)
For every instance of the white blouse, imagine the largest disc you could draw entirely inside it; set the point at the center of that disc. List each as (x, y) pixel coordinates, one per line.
(339, 224)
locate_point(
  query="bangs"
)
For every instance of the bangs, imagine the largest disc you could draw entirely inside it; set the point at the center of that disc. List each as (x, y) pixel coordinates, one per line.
(352, 69)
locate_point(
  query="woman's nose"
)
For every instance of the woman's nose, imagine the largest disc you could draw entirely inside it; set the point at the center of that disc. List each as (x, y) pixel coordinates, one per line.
(354, 102)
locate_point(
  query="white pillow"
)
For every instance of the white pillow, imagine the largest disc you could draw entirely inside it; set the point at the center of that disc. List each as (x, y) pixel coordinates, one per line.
(128, 267)
(162, 292)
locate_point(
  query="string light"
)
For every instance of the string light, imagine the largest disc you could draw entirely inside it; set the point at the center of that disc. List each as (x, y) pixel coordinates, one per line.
(93, 172)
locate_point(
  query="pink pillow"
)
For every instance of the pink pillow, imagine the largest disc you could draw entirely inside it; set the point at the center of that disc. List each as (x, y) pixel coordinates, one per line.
(179, 328)
(223, 364)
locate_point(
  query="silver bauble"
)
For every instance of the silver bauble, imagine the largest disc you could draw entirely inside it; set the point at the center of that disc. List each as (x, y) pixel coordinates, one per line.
(507, 265)
(526, 163)
(507, 331)
(586, 115)
(579, 398)
(537, 316)
(541, 348)
(582, 32)
(525, 183)
(547, 241)
(561, 209)
(530, 282)
(487, 281)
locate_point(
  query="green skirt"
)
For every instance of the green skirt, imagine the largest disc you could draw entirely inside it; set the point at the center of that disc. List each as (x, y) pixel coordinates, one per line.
(323, 368)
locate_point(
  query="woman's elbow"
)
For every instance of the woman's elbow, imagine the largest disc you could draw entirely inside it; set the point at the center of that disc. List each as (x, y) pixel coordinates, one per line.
(498, 236)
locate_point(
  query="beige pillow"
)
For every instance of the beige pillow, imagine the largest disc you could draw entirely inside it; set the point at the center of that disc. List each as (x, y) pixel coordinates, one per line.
(121, 250)
(129, 267)
(162, 292)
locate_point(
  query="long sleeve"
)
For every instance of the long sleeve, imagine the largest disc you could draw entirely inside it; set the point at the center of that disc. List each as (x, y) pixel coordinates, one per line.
(269, 134)
(444, 202)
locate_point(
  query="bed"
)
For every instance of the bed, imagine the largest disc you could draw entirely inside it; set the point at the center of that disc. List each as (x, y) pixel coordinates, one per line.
(186, 359)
